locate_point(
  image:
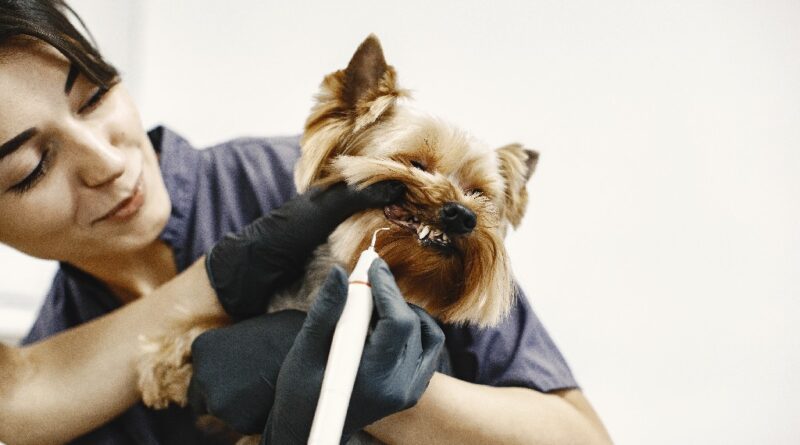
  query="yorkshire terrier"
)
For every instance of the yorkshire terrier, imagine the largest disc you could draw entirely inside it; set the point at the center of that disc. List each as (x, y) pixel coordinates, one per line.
(445, 243)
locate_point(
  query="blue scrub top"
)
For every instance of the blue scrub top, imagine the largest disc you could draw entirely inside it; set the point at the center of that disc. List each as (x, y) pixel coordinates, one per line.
(223, 188)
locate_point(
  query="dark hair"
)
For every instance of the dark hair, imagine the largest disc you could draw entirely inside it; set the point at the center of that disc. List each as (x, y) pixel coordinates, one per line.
(47, 20)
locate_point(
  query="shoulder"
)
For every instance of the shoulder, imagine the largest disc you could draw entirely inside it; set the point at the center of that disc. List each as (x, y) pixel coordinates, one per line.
(254, 173)
(256, 158)
(251, 175)
(221, 188)
(276, 152)
(260, 165)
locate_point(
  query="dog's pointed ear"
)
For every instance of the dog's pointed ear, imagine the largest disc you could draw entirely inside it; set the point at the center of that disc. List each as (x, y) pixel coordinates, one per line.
(517, 164)
(350, 101)
(364, 72)
(369, 87)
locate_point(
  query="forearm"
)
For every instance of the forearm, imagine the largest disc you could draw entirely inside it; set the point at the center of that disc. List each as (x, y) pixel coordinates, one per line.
(456, 412)
(80, 379)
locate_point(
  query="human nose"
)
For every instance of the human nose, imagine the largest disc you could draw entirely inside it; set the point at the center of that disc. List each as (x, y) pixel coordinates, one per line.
(99, 161)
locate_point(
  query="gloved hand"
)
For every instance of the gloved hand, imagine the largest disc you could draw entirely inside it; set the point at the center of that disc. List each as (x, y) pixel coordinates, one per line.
(235, 368)
(247, 268)
(399, 358)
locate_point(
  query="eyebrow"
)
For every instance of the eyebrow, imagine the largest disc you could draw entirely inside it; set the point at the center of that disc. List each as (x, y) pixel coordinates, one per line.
(71, 76)
(16, 142)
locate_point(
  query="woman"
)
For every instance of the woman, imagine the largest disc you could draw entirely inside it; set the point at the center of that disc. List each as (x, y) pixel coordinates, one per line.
(129, 215)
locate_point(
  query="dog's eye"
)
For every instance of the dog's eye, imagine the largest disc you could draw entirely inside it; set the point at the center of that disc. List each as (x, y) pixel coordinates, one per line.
(419, 165)
(474, 192)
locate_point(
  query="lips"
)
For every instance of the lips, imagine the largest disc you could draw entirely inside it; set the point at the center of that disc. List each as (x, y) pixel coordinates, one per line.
(128, 206)
(427, 233)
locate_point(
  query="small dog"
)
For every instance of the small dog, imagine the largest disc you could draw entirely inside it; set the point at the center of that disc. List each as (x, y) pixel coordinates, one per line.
(445, 243)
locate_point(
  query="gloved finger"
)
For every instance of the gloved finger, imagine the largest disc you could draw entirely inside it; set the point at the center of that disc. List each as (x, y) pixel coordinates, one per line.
(293, 432)
(389, 300)
(413, 348)
(252, 351)
(421, 339)
(203, 351)
(431, 337)
(284, 326)
(196, 396)
(396, 321)
(380, 194)
(343, 198)
(317, 331)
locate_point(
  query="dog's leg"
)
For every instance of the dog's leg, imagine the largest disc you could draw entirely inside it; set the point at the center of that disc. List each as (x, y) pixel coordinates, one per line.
(165, 367)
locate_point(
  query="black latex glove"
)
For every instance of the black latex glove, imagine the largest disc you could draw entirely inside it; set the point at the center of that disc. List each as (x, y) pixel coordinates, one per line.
(246, 268)
(399, 358)
(235, 368)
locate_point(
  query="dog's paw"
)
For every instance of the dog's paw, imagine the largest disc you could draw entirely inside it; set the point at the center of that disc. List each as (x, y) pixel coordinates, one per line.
(249, 440)
(165, 369)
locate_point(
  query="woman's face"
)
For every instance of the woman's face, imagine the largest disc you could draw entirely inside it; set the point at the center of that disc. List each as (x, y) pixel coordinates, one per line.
(79, 178)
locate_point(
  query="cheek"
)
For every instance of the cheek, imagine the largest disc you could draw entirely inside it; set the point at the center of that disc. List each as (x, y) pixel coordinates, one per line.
(120, 120)
(40, 222)
(126, 115)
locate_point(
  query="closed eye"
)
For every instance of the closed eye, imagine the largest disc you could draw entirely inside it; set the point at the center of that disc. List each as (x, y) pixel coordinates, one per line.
(93, 101)
(34, 176)
(419, 165)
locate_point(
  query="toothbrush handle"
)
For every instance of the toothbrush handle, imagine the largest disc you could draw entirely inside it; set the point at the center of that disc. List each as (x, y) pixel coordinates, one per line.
(344, 357)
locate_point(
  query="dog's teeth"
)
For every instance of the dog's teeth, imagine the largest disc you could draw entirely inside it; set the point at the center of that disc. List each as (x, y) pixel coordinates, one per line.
(424, 232)
(445, 238)
(435, 233)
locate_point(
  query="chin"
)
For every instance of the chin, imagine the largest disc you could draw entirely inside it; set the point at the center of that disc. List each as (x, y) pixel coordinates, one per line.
(147, 224)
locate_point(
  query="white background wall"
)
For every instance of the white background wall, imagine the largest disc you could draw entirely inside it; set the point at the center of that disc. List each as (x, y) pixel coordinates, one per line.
(662, 243)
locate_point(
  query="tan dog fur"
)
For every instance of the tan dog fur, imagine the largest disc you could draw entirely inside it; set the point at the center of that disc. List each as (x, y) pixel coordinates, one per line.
(362, 130)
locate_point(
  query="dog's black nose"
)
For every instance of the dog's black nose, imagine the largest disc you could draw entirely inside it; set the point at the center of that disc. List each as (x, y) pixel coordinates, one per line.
(457, 219)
